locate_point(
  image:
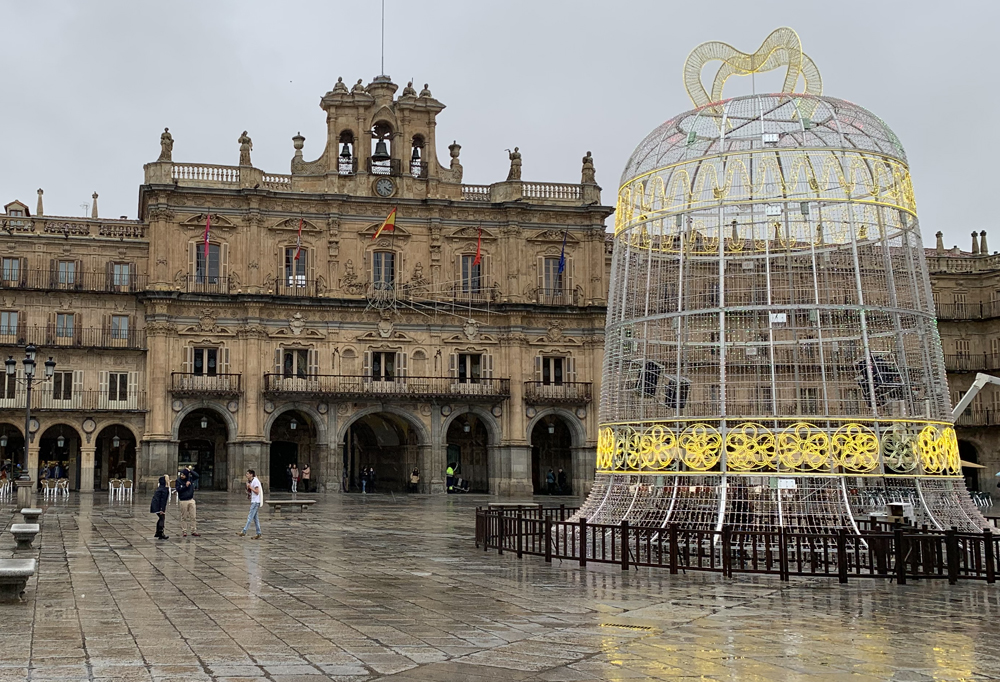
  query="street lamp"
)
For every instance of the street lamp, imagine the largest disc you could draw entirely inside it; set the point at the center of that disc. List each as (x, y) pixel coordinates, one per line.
(24, 480)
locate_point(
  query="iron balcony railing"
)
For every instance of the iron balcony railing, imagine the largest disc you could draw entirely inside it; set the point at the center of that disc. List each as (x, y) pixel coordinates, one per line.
(74, 337)
(548, 296)
(980, 417)
(361, 386)
(968, 311)
(200, 284)
(44, 398)
(294, 286)
(390, 167)
(571, 392)
(189, 383)
(972, 362)
(82, 281)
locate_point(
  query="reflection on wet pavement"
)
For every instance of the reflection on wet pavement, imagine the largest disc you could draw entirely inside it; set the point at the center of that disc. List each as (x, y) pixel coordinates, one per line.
(367, 588)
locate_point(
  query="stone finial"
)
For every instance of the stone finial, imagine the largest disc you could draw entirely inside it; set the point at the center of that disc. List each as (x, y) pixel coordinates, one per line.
(983, 249)
(93, 206)
(587, 175)
(340, 86)
(39, 210)
(514, 174)
(408, 91)
(454, 149)
(298, 142)
(940, 243)
(166, 145)
(246, 146)
(456, 166)
(426, 92)
(975, 243)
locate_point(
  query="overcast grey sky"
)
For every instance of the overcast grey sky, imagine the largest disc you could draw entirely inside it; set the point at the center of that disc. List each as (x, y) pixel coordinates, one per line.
(89, 86)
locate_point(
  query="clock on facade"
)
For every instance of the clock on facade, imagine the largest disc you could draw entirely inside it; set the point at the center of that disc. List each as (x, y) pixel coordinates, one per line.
(384, 187)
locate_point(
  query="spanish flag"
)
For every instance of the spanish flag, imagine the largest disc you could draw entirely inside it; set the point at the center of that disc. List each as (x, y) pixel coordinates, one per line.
(388, 225)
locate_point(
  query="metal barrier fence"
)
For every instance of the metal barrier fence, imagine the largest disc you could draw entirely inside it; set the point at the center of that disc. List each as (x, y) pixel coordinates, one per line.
(880, 551)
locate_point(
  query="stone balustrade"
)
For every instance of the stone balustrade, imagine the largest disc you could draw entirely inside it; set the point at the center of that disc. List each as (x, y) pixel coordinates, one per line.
(202, 172)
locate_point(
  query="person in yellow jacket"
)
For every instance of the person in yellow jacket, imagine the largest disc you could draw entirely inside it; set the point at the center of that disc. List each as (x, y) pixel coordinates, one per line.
(450, 473)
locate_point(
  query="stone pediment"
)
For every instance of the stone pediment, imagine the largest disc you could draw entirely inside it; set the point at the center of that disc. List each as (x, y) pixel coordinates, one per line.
(293, 224)
(464, 339)
(546, 341)
(287, 333)
(553, 236)
(377, 336)
(471, 232)
(218, 222)
(398, 232)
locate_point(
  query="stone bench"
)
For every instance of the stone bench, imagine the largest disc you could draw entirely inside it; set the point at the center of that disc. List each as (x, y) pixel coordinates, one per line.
(24, 534)
(31, 515)
(14, 574)
(276, 505)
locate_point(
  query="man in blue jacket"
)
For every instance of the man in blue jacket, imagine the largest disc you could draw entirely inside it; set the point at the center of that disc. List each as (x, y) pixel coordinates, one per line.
(159, 506)
(185, 496)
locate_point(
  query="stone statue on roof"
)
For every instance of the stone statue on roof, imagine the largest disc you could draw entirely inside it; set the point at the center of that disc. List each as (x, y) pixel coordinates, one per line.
(408, 91)
(358, 88)
(515, 165)
(340, 87)
(587, 175)
(246, 146)
(426, 92)
(166, 145)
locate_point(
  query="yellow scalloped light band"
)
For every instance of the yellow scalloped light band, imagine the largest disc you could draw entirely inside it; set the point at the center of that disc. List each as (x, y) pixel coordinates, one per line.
(913, 448)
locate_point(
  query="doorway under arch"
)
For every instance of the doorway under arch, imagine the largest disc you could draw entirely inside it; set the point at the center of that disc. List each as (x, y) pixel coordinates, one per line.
(203, 437)
(468, 442)
(967, 453)
(114, 455)
(293, 441)
(551, 449)
(59, 452)
(386, 442)
(11, 447)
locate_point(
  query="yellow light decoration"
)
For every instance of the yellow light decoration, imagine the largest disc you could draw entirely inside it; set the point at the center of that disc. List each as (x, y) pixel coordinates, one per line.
(803, 446)
(855, 448)
(750, 446)
(899, 449)
(701, 446)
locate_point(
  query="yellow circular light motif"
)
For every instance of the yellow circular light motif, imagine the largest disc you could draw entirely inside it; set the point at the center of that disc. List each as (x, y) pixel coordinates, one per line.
(899, 449)
(855, 447)
(657, 448)
(934, 449)
(605, 447)
(749, 446)
(804, 446)
(701, 446)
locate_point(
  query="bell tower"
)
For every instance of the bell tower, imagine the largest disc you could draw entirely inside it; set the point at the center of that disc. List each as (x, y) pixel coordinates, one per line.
(378, 145)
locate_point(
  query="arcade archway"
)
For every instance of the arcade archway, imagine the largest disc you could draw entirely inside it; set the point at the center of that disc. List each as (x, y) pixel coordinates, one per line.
(293, 437)
(387, 442)
(59, 452)
(203, 437)
(11, 446)
(551, 450)
(114, 455)
(468, 442)
(967, 452)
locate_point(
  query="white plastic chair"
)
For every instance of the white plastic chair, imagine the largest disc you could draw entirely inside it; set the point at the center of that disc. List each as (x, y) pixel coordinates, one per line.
(126, 490)
(62, 488)
(49, 488)
(114, 489)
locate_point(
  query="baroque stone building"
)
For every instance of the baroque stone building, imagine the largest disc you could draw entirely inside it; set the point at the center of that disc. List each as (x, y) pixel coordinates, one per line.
(966, 286)
(251, 320)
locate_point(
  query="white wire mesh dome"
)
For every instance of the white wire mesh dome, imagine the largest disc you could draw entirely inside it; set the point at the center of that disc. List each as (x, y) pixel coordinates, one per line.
(771, 355)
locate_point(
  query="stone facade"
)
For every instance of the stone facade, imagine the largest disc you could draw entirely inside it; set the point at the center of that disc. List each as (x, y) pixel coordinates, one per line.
(251, 320)
(966, 287)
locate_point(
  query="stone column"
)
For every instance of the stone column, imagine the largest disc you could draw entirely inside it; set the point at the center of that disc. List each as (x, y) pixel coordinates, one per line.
(584, 465)
(517, 479)
(432, 467)
(86, 468)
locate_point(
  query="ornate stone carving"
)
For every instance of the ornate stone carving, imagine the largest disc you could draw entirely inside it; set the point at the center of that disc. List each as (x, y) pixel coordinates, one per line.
(246, 146)
(514, 175)
(251, 331)
(161, 213)
(159, 328)
(587, 174)
(166, 145)
(297, 323)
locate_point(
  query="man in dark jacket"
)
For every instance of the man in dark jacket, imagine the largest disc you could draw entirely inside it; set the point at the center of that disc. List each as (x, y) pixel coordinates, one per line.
(159, 506)
(185, 497)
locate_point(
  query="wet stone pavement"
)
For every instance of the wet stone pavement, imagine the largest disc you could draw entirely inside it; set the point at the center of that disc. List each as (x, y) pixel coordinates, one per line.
(372, 588)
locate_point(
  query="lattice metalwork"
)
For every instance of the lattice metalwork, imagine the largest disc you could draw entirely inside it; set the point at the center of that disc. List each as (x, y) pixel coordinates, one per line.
(771, 339)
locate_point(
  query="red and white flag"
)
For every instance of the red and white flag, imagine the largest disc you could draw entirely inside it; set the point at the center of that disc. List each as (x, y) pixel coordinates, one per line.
(208, 229)
(479, 248)
(298, 241)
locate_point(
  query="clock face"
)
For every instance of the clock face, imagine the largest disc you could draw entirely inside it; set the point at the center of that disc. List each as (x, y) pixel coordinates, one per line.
(384, 187)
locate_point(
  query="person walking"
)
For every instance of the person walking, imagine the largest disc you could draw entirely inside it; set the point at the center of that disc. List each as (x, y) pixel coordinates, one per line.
(364, 481)
(288, 476)
(255, 493)
(449, 475)
(371, 479)
(295, 478)
(550, 482)
(562, 484)
(185, 497)
(158, 506)
(305, 478)
(414, 480)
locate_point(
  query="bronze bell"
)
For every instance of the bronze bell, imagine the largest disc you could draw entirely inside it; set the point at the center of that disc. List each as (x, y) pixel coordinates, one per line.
(345, 153)
(416, 154)
(381, 153)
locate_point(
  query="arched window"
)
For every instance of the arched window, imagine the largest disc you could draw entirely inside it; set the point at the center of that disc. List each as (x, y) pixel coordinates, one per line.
(418, 165)
(347, 162)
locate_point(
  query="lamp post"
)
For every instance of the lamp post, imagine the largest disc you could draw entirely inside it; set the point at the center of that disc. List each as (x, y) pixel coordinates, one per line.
(24, 481)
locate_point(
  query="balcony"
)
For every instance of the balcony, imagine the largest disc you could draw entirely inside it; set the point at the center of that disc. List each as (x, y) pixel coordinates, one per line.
(981, 417)
(972, 362)
(191, 384)
(354, 387)
(99, 281)
(77, 337)
(545, 296)
(42, 399)
(566, 393)
(294, 286)
(199, 284)
(390, 167)
(968, 311)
